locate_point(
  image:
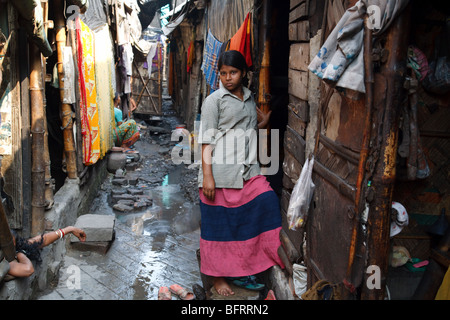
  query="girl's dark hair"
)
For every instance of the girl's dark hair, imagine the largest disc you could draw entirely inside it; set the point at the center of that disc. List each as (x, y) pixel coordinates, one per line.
(234, 59)
(31, 250)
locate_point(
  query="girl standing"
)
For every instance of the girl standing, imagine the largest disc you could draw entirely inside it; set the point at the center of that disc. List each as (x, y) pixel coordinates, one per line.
(240, 215)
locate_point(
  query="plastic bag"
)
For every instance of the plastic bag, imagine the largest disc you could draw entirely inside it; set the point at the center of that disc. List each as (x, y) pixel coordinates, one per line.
(300, 276)
(301, 197)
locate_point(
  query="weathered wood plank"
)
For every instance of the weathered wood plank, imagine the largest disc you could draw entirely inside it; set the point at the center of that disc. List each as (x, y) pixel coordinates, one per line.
(295, 144)
(299, 107)
(298, 83)
(347, 154)
(296, 123)
(295, 3)
(341, 185)
(299, 31)
(298, 13)
(299, 56)
(11, 166)
(291, 252)
(291, 167)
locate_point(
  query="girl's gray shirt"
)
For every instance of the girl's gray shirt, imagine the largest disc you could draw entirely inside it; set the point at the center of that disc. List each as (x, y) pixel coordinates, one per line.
(230, 126)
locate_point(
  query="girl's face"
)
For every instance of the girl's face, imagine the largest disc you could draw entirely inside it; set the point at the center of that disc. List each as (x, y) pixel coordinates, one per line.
(231, 78)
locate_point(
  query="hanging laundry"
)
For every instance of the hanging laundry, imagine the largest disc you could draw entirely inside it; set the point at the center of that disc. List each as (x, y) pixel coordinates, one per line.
(121, 71)
(241, 41)
(150, 56)
(128, 57)
(340, 60)
(210, 58)
(69, 77)
(88, 94)
(105, 93)
(123, 27)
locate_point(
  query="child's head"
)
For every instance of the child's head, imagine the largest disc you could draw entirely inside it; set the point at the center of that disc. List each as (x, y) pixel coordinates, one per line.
(232, 70)
(234, 59)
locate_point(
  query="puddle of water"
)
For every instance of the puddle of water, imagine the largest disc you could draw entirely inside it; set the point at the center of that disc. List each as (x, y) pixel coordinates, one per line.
(169, 214)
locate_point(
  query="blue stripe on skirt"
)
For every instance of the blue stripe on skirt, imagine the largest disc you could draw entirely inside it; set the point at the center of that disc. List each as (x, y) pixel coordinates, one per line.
(242, 223)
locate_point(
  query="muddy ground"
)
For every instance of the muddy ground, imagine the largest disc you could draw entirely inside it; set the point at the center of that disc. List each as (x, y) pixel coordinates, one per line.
(156, 143)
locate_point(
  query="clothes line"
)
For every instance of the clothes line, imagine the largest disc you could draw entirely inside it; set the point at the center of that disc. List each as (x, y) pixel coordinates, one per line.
(240, 41)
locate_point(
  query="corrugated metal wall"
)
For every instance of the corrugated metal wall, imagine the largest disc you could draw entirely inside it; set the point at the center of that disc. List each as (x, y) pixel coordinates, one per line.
(226, 16)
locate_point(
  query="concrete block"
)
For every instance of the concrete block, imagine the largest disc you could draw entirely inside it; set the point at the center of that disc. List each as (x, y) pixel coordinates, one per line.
(119, 181)
(123, 207)
(133, 181)
(118, 191)
(100, 247)
(124, 196)
(134, 191)
(126, 202)
(96, 226)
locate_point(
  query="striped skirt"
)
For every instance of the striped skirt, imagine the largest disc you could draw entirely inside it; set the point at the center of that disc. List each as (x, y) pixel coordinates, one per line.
(240, 230)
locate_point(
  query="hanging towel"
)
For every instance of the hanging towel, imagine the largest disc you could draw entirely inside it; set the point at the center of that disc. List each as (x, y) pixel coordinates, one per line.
(152, 54)
(241, 41)
(128, 57)
(340, 60)
(210, 58)
(88, 94)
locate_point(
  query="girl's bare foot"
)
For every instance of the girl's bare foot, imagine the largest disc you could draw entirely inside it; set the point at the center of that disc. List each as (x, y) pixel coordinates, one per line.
(222, 287)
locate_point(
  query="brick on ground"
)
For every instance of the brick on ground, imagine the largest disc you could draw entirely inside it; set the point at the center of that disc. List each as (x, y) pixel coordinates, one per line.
(96, 226)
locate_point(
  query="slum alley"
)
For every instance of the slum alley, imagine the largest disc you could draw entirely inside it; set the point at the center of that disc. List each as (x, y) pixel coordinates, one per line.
(354, 94)
(153, 246)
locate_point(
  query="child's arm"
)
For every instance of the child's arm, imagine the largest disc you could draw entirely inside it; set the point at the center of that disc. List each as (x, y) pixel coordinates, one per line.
(51, 237)
(209, 185)
(22, 267)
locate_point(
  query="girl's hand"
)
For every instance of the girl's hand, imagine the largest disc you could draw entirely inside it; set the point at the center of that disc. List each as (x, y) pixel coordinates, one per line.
(209, 187)
(262, 118)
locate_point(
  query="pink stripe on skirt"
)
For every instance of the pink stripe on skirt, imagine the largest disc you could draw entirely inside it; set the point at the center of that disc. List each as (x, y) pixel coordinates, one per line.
(240, 258)
(232, 198)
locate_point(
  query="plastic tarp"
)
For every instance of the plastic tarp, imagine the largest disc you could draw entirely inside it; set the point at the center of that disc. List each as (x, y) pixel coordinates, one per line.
(175, 22)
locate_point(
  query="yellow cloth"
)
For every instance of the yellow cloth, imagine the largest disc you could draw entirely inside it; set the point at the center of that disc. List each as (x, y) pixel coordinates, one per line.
(104, 64)
(88, 94)
(444, 291)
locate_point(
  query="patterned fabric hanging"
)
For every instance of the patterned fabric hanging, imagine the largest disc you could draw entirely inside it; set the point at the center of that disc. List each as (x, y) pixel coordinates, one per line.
(88, 94)
(210, 59)
(104, 67)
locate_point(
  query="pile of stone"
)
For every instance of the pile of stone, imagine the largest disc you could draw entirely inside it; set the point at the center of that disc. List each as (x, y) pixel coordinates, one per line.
(130, 199)
(127, 197)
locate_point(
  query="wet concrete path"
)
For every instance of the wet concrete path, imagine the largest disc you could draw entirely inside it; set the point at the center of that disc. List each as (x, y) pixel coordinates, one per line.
(155, 246)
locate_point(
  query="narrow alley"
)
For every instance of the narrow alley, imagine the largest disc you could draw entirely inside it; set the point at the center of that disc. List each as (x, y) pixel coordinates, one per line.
(155, 246)
(326, 123)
